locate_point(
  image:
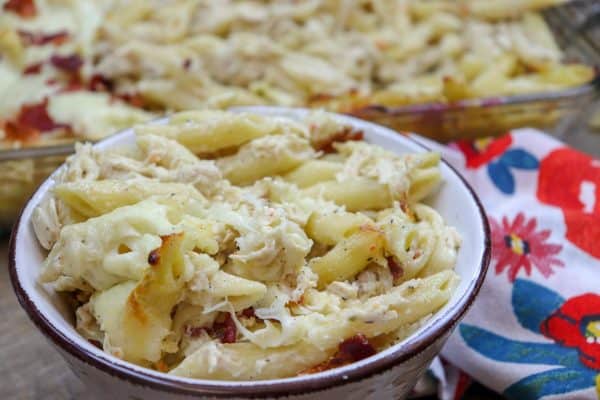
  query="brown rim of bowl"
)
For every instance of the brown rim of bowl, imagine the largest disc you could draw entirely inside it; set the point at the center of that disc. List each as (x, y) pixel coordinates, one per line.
(258, 389)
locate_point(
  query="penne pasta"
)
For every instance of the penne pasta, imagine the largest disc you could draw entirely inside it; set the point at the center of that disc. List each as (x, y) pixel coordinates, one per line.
(210, 131)
(355, 195)
(423, 183)
(94, 198)
(239, 361)
(146, 321)
(332, 228)
(264, 157)
(349, 256)
(312, 172)
(262, 262)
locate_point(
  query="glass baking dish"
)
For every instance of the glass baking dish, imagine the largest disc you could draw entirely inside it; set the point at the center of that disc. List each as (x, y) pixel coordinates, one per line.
(576, 27)
(22, 171)
(555, 112)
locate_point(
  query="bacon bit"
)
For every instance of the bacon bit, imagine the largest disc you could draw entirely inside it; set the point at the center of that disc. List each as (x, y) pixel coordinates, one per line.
(41, 39)
(187, 63)
(33, 69)
(13, 131)
(225, 331)
(344, 135)
(95, 343)
(134, 99)
(70, 64)
(396, 270)
(154, 257)
(73, 84)
(30, 122)
(195, 331)
(99, 83)
(36, 116)
(25, 8)
(248, 313)
(350, 350)
(357, 347)
(161, 366)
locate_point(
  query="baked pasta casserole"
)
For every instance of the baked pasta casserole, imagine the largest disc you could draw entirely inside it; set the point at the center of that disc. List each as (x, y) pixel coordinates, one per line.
(235, 246)
(79, 69)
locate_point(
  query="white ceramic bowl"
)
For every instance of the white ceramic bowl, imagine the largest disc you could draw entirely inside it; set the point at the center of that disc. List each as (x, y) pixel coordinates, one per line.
(386, 375)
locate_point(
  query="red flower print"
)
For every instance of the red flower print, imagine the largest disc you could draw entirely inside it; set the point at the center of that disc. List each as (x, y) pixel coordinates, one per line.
(481, 151)
(570, 180)
(516, 245)
(576, 324)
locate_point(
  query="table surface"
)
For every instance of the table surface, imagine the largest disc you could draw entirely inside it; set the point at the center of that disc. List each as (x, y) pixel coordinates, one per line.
(31, 369)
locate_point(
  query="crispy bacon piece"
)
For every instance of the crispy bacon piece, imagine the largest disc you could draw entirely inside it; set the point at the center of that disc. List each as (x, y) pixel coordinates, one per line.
(25, 8)
(350, 350)
(396, 270)
(223, 329)
(248, 312)
(344, 135)
(74, 84)
(41, 39)
(36, 116)
(33, 69)
(99, 83)
(14, 131)
(30, 122)
(70, 64)
(135, 99)
(356, 348)
(195, 331)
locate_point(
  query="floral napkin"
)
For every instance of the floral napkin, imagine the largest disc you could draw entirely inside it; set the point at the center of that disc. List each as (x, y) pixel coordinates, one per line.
(534, 331)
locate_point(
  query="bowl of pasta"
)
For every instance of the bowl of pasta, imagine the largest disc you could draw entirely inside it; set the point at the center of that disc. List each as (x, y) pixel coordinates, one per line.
(261, 252)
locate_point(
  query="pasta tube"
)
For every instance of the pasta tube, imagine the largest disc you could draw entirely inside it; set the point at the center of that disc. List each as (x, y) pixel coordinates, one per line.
(349, 256)
(356, 194)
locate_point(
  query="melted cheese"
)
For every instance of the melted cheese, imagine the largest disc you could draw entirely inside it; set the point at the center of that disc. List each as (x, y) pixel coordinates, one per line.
(103, 115)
